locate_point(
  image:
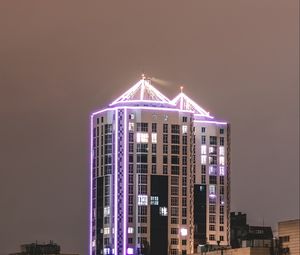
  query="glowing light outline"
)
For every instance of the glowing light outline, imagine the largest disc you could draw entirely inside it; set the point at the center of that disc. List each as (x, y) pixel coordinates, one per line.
(145, 86)
(91, 186)
(211, 122)
(198, 110)
(115, 180)
(125, 213)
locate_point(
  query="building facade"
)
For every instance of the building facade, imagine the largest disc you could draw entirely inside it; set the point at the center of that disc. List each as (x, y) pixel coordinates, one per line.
(289, 237)
(160, 175)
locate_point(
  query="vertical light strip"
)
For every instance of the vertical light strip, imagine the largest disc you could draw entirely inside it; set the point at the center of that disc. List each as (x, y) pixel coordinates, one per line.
(91, 186)
(125, 185)
(116, 181)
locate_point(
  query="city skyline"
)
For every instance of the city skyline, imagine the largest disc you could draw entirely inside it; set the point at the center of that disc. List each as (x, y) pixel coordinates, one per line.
(58, 64)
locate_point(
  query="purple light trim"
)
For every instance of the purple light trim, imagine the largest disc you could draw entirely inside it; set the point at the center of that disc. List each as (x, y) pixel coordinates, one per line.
(116, 181)
(125, 184)
(142, 108)
(211, 122)
(91, 186)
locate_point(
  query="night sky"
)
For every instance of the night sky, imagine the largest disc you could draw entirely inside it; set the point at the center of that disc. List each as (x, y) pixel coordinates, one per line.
(60, 60)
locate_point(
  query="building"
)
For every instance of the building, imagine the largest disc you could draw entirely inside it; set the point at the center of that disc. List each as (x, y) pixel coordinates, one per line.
(289, 237)
(244, 235)
(50, 248)
(160, 175)
(239, 251)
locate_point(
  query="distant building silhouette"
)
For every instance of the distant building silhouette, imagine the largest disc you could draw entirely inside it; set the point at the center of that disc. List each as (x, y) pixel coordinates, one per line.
(243, 235)
(40, 249)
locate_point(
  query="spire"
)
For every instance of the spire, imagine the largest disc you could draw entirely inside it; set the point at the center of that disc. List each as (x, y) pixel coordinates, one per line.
(142, 91)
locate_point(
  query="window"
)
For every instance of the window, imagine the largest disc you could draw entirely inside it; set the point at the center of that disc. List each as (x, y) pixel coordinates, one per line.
(203, 139)
(222, 170)
(142, 210)
(203, 159)
(142, 230)
(142, 147)
(165, 128)
(203, 179)
(184, 201)
(221, 209)
(174, 202)
(212, 189)
(165, 138)
(163, 211)
(203, 169)
(212, 160)
(222, 180)
(183, 242)
(106, 231)
(221, 131)
(142, 127)
(284, 239)
(213, 140)
(212, 227)
(175, 149)
(154, 200)
(142, 137)
(106, 211)
(184, 119)
(165, 169)
(222, 141)
(183, 232)
(174, 241)
(212, 170)
(131, 116)
(130, 230)
(174, 191)
(174, 231)
(211, 237)
(175, 129)
(165, 159)
(221, 238)
(175, 139)
(154, 138)
(174, 220)
(174, 211)
(184, 139)
(203, 129)
(175, 170)
(184, 150)
(131, 126)
(175, 160)
(141, 158)
(212, 208)
(222, 161)
(153, 159)
(153, 148)
(221, 219)
(212, 179)
(165, 149)
(154, 127)
(203, 149)
(142, 200)
(153, 169)
(184, 129)
(175, 180)
(221, 151)
(221, 228)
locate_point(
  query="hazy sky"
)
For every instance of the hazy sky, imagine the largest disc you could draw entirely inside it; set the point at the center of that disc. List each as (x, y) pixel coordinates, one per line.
(60, 60)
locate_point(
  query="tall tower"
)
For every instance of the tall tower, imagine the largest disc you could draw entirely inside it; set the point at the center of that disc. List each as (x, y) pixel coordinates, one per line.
(144, 174)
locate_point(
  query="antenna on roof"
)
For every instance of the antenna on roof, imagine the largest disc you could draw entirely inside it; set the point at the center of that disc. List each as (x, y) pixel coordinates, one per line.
(181, 89)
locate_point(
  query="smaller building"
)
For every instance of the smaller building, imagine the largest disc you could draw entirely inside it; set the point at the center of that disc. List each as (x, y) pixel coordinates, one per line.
(239, 251)
(244, 235)
(289, 237)
(36, 248)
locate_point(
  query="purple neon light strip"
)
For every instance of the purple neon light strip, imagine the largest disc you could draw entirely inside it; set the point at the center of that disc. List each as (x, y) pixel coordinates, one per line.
(143, 108)
(211, 122)
(116, 181)
(91, 186)
(125, 185)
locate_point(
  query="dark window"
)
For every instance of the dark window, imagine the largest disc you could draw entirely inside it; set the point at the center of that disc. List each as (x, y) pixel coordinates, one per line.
(165, 128)
(175, 160)
(154, 127)
(165, 138)
(142, 127)
(213, 140)
(203, 129)
(221, 131)
(203, 139)
(175, 139)
(165, 169)
(203, 169)
(175, 149)
(213, 179)
(184, 119)
(153, 159)
(141, 158)
(165, 159)
(222, 141)
(153, 148)
(175, 129)
(142, 147)
(184, 139)
(175, 170)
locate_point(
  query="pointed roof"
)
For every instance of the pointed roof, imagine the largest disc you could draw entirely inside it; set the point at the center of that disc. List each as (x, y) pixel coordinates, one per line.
(142, 92)
(183, 102)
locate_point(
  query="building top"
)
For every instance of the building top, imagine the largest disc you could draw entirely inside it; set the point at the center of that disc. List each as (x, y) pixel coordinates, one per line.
(143, 93)
(183, 102)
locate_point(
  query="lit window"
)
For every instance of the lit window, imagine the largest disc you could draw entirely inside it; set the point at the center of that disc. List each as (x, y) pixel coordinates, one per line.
(154, 137)
(93, 243)
(154, 200)
(106, 231)
(131, 126)
(222, 161)
(184, 129)
(203, 160)
(203, 149)
(212, 189)
(221, 151)
(163, 211)
(130, 230)
(142, 200)
(183, 232)
(222, 170)
(106, 250)
(131, 116)
(106, 211)
(130, 251)
(142, 137)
